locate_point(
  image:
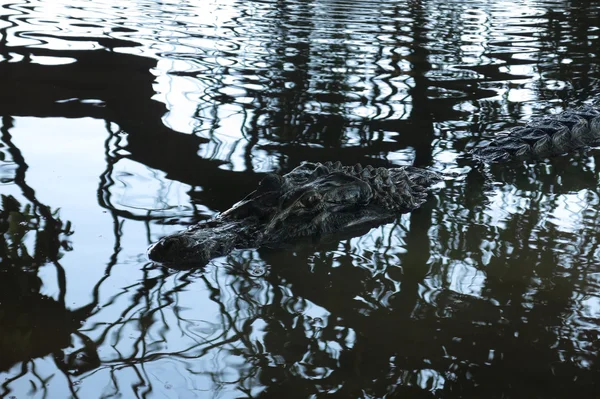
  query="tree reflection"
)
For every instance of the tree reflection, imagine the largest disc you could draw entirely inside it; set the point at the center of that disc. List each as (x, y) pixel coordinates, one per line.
(33, 325)
(25, 314)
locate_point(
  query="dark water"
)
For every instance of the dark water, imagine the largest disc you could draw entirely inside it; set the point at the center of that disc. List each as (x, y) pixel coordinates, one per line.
(124, 121)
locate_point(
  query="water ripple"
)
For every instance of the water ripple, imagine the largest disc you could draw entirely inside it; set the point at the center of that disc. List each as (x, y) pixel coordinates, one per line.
(488, 289)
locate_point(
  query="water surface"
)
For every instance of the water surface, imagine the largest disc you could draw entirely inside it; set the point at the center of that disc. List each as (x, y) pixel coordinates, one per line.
(124, 121)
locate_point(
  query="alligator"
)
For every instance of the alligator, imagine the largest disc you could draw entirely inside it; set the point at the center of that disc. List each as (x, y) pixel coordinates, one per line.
(312, 200)
(317, 199)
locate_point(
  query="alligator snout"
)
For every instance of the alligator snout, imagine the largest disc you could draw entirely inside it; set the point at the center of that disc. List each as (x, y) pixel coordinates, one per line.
(196, 245)
(158, 250)
(171, 247)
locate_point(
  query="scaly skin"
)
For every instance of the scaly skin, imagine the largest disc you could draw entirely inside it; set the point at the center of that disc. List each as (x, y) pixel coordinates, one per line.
(312, 200)
(549, 136)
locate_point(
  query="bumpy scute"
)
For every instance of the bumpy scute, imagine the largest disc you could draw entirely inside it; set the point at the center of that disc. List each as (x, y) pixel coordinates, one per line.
(396, 189)
(558, 134)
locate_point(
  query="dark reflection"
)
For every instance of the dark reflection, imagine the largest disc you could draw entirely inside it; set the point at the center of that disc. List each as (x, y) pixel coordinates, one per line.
(26, 316)
(377, 340)
(33, 325)
(490, 290)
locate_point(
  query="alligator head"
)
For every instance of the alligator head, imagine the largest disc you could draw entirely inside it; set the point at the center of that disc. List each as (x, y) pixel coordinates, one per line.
(312, 200)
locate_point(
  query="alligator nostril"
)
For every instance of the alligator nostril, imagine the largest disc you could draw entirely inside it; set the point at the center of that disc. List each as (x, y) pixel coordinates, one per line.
(154, 251)
(166, 245)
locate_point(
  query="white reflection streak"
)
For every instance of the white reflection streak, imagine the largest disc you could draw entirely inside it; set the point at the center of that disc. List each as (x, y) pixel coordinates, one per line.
(569, 215)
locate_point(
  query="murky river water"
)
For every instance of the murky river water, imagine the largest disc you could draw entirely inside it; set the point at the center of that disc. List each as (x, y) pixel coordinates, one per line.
(124, 121)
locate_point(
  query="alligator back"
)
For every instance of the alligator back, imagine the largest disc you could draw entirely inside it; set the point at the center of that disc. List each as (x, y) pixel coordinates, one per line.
(399, 190)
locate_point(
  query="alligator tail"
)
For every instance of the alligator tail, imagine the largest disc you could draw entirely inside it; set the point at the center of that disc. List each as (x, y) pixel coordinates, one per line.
(548, 136)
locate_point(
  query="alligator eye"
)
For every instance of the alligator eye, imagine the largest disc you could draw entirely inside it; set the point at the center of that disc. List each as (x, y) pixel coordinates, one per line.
(271, 182)
(320, 170)
(311, 200)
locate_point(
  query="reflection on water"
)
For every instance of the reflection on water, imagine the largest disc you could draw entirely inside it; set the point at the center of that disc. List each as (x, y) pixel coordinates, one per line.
(122, 122)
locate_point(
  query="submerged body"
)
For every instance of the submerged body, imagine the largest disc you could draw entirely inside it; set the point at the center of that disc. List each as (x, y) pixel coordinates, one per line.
(313, 199)
(317, 199)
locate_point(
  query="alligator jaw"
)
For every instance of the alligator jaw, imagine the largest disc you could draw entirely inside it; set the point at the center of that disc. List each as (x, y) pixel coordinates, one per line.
(200, 243)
